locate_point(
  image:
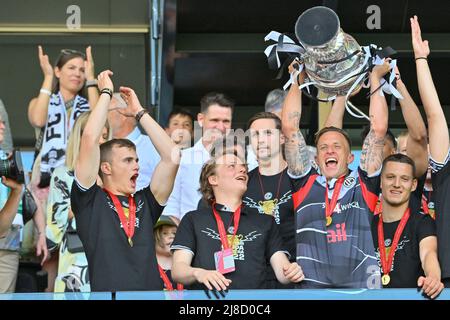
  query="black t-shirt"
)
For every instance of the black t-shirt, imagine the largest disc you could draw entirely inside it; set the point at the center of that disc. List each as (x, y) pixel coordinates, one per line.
(440, 177)
(274, 198)
(406, 266)
(257, 239)
(113, 264)
(415, 201)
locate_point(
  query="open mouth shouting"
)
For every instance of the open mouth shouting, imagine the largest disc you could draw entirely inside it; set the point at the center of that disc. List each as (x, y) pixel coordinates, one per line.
(133, 180)
(331, 162)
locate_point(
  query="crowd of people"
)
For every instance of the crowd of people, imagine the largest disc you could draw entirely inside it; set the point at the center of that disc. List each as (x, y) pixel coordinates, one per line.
(124, 204)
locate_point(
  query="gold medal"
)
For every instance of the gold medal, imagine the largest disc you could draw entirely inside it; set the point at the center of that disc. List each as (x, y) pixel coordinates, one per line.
(130, 242)
(385, 279)
(329, 219)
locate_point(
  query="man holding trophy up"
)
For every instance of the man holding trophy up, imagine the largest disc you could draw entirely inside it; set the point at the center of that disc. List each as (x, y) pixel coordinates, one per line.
(334, 206)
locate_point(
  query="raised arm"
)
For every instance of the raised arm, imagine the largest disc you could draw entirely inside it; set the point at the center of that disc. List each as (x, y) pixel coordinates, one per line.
(437, 124)
(372, 150)
(92, 92)
(336, 116)
(295, 147)
(416, 146)
(86, 168)
(182, 272)
(38, 107)
(163, 177)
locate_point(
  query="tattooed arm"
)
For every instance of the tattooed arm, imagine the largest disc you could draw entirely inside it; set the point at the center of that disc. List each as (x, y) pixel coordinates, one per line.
(295, 146)
(372, 150)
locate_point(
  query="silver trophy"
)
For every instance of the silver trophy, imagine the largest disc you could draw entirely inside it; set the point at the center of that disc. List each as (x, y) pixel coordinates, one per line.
(333, 59)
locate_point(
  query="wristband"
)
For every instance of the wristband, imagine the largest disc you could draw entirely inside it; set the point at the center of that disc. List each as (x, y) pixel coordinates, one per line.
(140, 114)
(47, 92)
(107, 91)
(91, 83)
(425, 58)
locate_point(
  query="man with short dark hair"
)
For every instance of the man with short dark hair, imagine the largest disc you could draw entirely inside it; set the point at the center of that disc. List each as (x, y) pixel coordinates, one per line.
(124, 126)
(215, 117)
(334, 209)
(269, 190)
(115, 223)
(180, 127)
(404, 238)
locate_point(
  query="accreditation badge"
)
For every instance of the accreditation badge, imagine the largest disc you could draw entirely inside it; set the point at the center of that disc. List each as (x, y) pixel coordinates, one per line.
(224, 261)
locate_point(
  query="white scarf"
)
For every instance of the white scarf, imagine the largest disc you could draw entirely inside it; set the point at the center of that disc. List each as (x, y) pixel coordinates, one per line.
(57, 129)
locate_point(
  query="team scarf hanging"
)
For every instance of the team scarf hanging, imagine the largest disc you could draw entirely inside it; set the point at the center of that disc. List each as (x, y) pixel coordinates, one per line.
(57, 132)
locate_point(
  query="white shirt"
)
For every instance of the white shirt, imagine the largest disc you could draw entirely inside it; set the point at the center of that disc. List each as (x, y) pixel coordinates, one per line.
(148, 157)
(185, 195)
(252, 161)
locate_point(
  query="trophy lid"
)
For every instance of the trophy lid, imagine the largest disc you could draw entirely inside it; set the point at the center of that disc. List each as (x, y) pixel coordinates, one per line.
(317, 26)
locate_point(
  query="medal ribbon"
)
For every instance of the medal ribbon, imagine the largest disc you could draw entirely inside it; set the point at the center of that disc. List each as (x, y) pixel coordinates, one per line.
(386, 265)
(127, 224)
(166, 280)
(221, 227)
(425, 204)
(329, 208)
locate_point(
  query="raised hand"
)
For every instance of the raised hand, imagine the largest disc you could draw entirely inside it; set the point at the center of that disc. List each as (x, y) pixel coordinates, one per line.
(397, 73)
(293, 67)
(380, 70)
(46, 67)
(131, 99)
(420, 47)
(104, 80)
(89, 64)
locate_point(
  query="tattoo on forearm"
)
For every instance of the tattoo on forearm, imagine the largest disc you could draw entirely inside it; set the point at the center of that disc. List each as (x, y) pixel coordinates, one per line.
(294, 119)
(372, 152)
(297, 154)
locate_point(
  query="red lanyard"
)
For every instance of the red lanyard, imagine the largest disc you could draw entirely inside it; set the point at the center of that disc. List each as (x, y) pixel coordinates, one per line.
(425, 204)
(167, 282)
(128, 225)
(386, 265)
(220, 226)
(329, 208)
